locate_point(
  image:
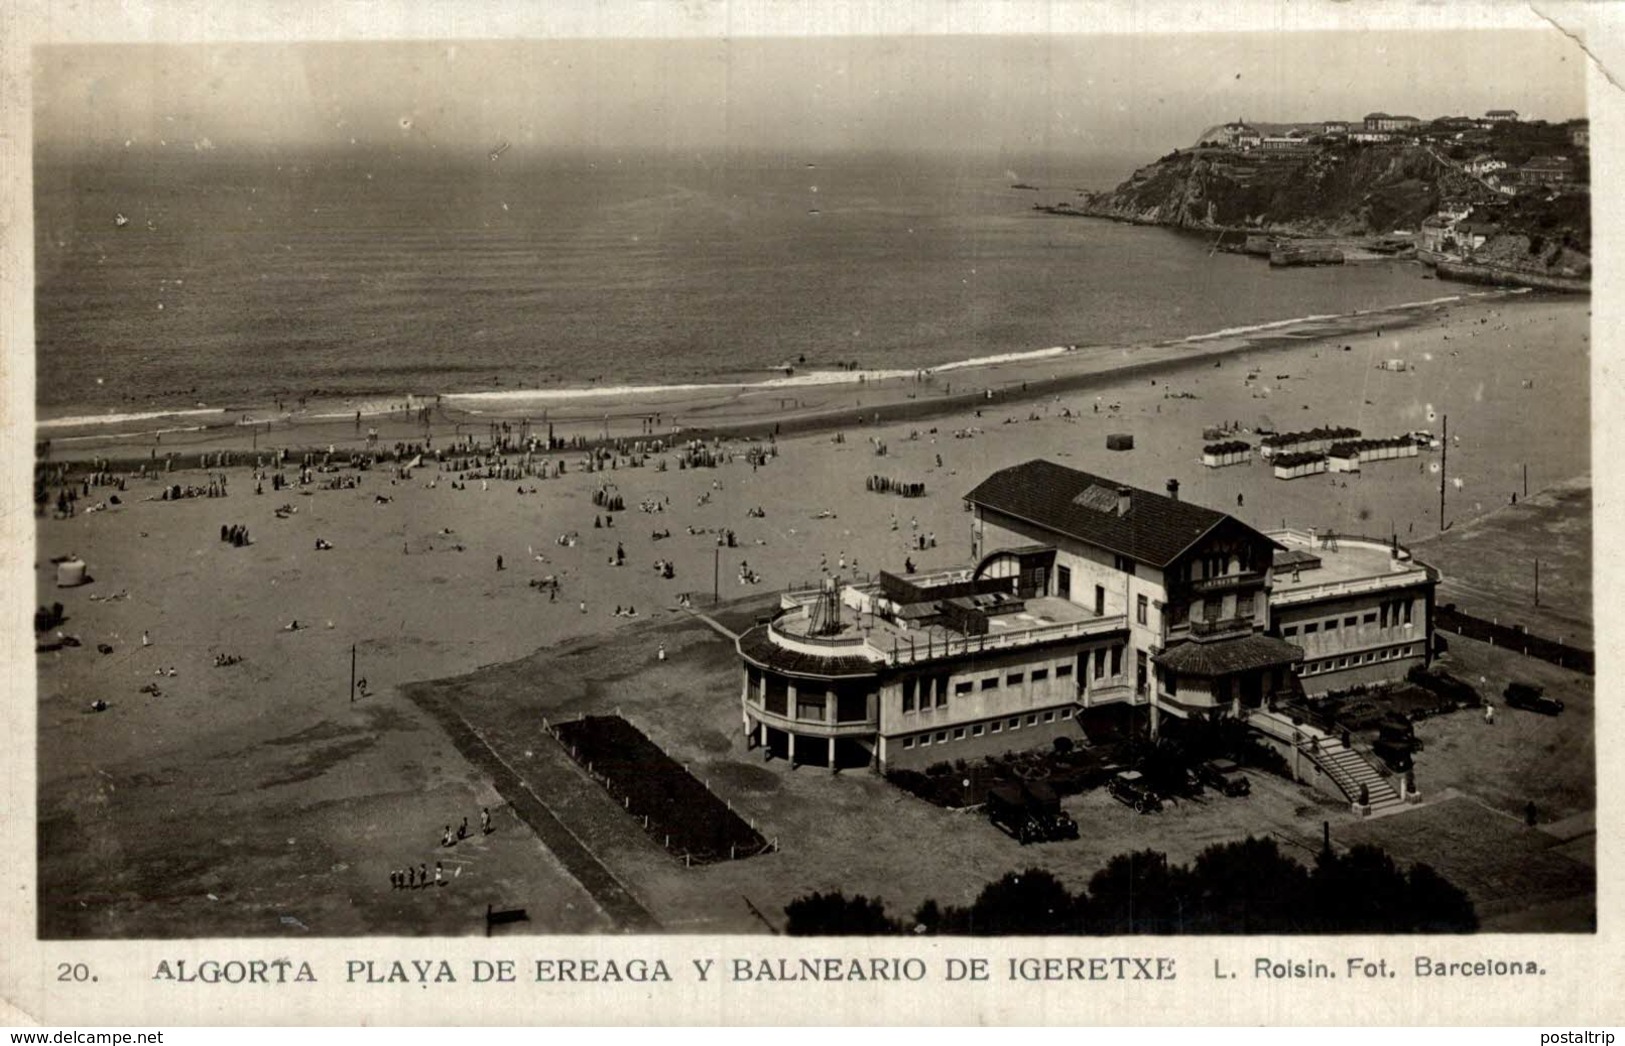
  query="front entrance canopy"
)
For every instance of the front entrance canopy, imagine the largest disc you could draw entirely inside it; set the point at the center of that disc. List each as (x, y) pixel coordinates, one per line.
(1226, 657)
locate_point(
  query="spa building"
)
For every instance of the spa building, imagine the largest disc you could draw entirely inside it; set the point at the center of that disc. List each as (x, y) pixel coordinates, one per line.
(1086, 600)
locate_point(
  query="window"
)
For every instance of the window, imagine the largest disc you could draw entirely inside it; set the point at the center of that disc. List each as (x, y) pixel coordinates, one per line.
(1371, 618)
(810, 706)
(1407, 607)
(908, 695)
(1351, 621)
(1117, 660)
(1100, 600)
(1032, 720)
(1289, 631)
(1014, 679)
(1040, 674)
(964, 686)
(1211, 609)
(990, 683)
(1100, 663)
(976, 731)
(942, 691)
(1245, 605)
(908, 742)
(1049, 717)
(1015, 722)
(1061, 672)
(1342, 662)
(1139, 609)
(959, 733)
(1066, 713)
(995, 727)
(942, 737)
(1063, 582)
(1170, 683)
(1124, 564)
(1331, 626)
(925, 740)
(1311, 628)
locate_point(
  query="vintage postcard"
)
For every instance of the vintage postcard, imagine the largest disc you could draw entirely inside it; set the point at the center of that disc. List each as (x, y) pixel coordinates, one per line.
(733, 513)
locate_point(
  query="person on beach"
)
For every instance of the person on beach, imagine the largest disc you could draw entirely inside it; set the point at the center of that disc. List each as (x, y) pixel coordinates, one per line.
(145, 639)
(446, 838)
(423, 874)
(1489, 714)
(485, 820)
(462, 830)
(439, 878)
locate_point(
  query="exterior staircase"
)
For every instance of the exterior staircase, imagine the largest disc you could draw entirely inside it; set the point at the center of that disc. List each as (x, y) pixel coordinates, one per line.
(1348, 769)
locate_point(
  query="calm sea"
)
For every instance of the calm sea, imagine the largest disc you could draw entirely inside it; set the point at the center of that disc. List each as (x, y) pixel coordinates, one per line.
(236, 281)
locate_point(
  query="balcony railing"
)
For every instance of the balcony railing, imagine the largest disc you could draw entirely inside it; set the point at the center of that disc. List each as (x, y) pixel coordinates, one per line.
(1225, 582)
(1312, 593)
(1004, 640)
(1223, 626)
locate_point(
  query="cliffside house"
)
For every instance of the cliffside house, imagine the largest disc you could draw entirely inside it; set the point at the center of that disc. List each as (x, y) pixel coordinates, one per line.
(1086, 597)
(1360, 609)
(1483, 164)
(1545, 171)
(1335, 127)
(1292, 141)
(1580, 135)
(1502, 116)
(1385, 122)
(1236, 135)
(1369, 137)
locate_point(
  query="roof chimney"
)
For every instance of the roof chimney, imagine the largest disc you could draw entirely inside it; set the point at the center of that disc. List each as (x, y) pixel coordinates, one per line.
(1173, 489)
(1124, 500)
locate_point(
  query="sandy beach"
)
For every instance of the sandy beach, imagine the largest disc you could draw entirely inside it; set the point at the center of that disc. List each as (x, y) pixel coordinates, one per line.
(311, 799)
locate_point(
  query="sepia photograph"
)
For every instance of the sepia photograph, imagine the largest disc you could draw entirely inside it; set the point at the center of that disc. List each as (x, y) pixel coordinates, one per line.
(892, 485)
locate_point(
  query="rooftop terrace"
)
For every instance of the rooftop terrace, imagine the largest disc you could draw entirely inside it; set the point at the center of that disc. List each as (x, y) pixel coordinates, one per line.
(1348, 565)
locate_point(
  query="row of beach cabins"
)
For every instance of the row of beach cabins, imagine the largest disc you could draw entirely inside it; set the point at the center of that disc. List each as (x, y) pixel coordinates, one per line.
(1294, 455)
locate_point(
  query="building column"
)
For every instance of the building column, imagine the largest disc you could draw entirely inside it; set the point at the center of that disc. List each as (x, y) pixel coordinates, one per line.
(790, 747)
(1156, 717)
(830, 749)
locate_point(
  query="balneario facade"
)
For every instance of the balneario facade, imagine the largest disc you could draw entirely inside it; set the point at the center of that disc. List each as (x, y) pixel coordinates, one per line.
(1085, 597)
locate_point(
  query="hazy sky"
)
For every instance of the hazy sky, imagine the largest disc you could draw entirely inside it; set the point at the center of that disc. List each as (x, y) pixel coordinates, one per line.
(1016, 95)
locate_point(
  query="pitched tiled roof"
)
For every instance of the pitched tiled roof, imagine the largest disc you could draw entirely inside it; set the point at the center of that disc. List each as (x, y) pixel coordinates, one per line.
(755, 645)
(1225, 656)
(1155, 530)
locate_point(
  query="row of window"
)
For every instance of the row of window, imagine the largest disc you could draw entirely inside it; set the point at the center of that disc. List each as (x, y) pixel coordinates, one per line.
(997, 726)
(1393, 612)
(1333, 664)
(918, 692)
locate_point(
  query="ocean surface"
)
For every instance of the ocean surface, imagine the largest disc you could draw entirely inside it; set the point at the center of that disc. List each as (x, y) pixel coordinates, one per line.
(238, 281)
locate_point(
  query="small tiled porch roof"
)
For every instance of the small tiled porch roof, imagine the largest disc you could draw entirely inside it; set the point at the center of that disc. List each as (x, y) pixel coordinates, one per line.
(1228, 656)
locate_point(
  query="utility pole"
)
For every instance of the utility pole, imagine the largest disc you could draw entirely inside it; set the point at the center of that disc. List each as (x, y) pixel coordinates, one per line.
(1526, 481)
(1537, 582)
(1444, 460)
(716, 576)
(352, 673)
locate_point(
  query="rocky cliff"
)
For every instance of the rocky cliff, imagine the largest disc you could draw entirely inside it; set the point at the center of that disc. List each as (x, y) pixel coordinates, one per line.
(1348, 191)
(1342, 190)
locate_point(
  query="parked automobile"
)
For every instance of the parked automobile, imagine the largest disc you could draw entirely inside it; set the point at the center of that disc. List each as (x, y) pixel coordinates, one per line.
(1224, 776)
(1531, 698)
(1131, 787)
(1029, 813)
(1395, 753)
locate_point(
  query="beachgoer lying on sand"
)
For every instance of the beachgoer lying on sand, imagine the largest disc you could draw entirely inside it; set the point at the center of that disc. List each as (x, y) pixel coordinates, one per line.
(322, 544)
(98, 705)
(292, 626)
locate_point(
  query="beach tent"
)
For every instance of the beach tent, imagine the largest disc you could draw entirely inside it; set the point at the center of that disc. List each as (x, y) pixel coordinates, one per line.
(1120, 441)
(70, 573)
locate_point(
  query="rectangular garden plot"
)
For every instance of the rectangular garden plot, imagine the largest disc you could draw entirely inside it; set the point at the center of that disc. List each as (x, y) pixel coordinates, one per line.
(673, 805)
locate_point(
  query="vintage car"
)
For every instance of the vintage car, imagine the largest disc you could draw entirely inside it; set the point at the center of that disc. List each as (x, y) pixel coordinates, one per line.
(1030, 813)
(1531, 698)
(1131, 787)
(1224, 776)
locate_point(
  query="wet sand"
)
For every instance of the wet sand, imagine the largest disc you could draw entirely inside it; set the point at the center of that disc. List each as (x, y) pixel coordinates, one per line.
(300, 802)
